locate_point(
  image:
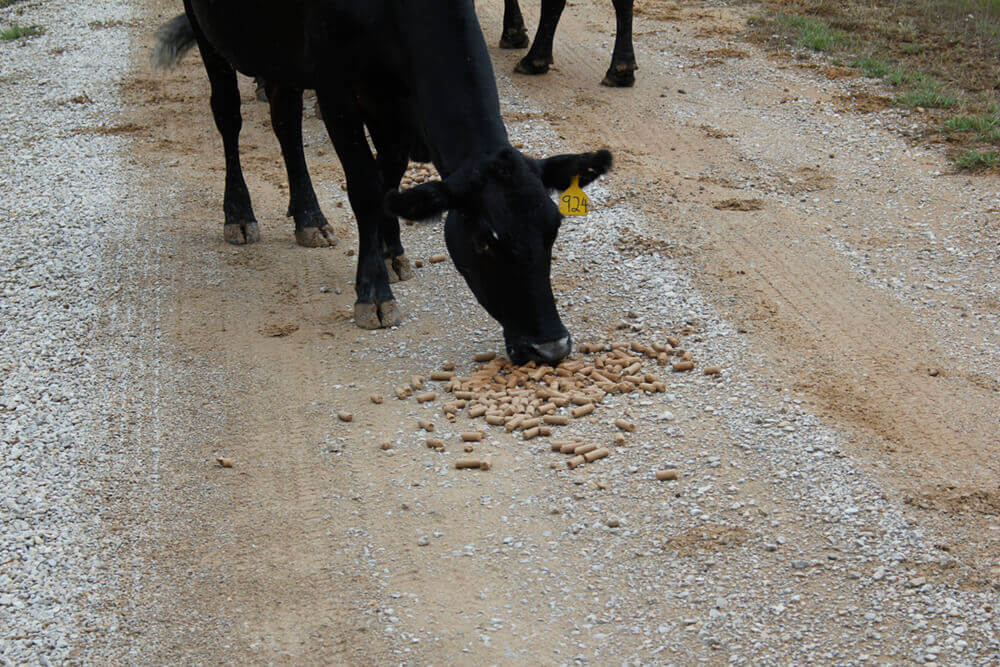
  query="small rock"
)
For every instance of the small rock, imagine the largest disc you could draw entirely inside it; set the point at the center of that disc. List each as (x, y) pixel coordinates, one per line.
(224, 462)
(612, 522)
(423, 541)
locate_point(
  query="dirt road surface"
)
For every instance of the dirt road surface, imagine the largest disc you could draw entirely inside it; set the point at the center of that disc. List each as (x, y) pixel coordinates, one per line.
(839, 484)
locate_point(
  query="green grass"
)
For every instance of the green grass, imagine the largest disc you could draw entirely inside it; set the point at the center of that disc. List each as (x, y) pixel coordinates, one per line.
(813, 33)
(927, 98)
(986, 126)
(18, 32)
(873, 68)
(7, 3)
(975, 159)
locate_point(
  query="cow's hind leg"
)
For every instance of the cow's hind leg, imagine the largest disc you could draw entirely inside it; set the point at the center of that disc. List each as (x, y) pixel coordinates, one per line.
(393, 158)
(311, 228)
(240, 224)
(622, 70)
(539, 56)
(375, 306)
(514, 35)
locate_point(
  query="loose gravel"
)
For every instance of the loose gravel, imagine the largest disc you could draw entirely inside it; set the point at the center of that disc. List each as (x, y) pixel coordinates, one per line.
(64, 198)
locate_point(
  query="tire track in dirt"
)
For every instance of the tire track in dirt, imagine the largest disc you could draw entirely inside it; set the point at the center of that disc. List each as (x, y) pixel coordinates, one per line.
(873, 342)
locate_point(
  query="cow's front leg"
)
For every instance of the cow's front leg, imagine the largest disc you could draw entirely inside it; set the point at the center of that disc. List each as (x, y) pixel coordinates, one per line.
(514, 35)
(311, 228)
(539, 56)
(622, 71)
(393, 157)
(375, 306)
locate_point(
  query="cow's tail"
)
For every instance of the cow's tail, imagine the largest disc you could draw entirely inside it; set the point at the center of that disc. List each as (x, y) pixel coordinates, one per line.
(173, 39)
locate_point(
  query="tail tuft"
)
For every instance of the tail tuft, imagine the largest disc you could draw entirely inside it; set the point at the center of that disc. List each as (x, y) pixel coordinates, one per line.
(173, 39)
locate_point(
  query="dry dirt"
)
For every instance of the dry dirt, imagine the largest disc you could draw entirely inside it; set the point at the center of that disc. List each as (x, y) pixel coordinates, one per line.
(855, 267)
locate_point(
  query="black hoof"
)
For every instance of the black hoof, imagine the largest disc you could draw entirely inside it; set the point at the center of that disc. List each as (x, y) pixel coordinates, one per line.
(620, 76)
(315, 237)
(377, 316)
(514, 38)
(529, 65)
(401, 267)
(241, 233)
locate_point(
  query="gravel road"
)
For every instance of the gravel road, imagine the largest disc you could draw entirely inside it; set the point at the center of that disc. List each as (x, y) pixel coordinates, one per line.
(835, 500)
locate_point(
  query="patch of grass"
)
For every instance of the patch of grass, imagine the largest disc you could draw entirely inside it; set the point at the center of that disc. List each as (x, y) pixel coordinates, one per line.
(813, 33)
(938, 54)
(985, 126)
(7, 3)
(975, 159)
(18, 32)
(873, 68)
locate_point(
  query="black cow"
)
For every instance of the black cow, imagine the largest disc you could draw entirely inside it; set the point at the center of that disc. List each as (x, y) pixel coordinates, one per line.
(622, 70)
(418, 75)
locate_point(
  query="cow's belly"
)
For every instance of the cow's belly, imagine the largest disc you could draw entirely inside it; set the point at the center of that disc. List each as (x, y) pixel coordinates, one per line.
(297, 43)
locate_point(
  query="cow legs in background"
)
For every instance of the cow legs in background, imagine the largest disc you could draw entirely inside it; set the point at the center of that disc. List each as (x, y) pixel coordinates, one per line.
(240, 224)
(539, 57)
(375, 306)
(622, 70)
(540, 54)
(393, 158)
(311, 228)
(514, 35)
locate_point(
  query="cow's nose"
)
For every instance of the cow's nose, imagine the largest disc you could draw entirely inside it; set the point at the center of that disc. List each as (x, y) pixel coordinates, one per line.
(552, 351)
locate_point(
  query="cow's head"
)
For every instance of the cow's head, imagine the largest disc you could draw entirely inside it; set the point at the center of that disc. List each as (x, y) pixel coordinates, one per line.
(500, 229)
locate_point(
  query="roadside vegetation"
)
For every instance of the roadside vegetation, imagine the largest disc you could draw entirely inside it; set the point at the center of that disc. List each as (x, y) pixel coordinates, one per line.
(940, 57)
(16, 31)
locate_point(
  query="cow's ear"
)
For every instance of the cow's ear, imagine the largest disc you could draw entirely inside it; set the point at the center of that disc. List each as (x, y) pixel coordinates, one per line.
(424, 201)
(557, 172)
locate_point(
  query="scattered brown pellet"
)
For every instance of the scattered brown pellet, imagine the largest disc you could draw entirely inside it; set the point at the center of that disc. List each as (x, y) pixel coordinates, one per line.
(583, 410)
(419, 263)
(486, 462)
(442, 375)
(544, 431)
(529, 423)
(674, 341)
(682, 366)
(224, 462)
(484, 356)
(625, 425)
(375, 398)
(495, 420)
(530, 433)
(477, 411)
(712, 370)
(426, 425)
(575, 461)
(583, 449)
(596, 454)
(662, 358)
(647, 387)
(666, 475)
(688, 355)
(417, 382)
(437, 259)
(514, 422)
(435, 443)
(472, 436)
(345, 416)
(467, 463)
(385, 445)
(620, 439)
(568, 447)
(426, 397)
(403, 393)
(557, 445)
(558, 420)
(468, 449)
(447, 366)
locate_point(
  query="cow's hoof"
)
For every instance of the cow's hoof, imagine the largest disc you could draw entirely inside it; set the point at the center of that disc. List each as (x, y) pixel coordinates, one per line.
(377, 316)
(620, 76)
(401, 266)
(514, 38)
(241, 233)
(393, 276)
(529, 65)
(389, 314)
(315, 237)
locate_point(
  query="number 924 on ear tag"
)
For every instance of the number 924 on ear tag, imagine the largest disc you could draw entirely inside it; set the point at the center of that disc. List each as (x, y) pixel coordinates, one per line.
(574, 201)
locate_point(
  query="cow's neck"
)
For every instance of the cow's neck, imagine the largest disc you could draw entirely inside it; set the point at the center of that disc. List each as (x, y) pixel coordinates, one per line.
(456, 96)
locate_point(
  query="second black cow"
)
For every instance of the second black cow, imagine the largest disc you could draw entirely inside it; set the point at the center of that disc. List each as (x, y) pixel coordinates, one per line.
(417, 74)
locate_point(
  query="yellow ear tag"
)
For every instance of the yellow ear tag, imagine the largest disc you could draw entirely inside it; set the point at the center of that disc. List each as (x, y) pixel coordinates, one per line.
(574, 201)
